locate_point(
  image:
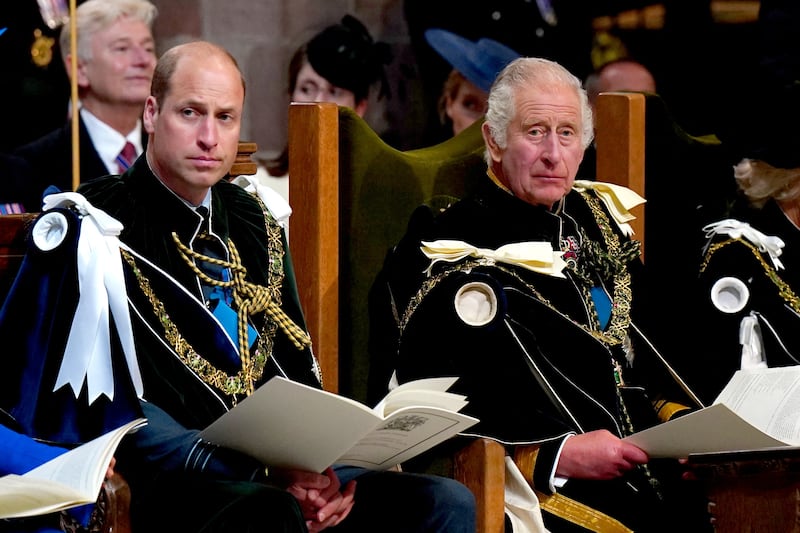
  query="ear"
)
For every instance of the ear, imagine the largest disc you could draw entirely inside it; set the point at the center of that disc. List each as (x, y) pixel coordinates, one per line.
(491, 144)
(82, 77)
(448, 107)
(150, 114)
(361, 108)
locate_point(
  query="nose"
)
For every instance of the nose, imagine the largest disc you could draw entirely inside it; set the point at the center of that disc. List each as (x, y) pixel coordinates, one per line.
(551, 149)
(143, 56)
(208, 133)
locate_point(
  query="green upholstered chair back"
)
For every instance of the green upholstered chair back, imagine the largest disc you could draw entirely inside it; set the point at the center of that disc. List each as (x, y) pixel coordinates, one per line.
(378, 189)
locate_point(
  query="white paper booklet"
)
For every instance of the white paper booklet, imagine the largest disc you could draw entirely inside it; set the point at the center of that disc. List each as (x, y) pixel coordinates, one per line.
(288, 424)
(758, 408)
(71, 479)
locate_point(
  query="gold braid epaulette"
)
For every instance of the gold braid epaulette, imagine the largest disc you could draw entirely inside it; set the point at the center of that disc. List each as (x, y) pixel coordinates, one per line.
(784, 290)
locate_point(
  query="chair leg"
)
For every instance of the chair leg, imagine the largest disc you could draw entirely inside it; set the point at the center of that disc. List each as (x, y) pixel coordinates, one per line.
(117, 500)
(481, 467)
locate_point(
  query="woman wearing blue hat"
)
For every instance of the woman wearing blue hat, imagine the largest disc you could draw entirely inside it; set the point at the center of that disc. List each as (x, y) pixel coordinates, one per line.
(475, 66)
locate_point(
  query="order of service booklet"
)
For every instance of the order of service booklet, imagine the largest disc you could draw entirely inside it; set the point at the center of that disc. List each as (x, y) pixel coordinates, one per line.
(71, 479)
(288, 424)
(757, 409)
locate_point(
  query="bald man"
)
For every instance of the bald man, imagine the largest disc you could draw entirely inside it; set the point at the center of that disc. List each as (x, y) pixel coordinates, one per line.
(619, 75)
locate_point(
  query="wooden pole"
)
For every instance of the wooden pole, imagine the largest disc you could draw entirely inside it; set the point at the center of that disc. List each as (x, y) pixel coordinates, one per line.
(73, 46)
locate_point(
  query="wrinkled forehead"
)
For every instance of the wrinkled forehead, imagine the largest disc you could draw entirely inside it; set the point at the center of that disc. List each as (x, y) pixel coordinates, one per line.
(550, 102)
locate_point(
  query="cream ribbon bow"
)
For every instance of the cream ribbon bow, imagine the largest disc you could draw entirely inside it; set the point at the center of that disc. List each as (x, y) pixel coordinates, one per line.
(617, 199)
(536, 256)
(101, 285)
(737, 229)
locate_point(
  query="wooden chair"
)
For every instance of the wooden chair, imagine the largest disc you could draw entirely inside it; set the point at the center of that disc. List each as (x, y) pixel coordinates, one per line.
(352, 196)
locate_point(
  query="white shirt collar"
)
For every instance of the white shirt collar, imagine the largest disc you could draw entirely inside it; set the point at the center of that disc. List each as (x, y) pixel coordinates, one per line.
(109, 142)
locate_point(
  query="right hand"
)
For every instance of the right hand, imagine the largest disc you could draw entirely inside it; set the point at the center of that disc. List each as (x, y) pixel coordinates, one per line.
(598, 455)
(323, 501)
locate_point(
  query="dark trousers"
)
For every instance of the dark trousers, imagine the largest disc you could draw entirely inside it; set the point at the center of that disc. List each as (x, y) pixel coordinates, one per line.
(203, 506)
(403, 502)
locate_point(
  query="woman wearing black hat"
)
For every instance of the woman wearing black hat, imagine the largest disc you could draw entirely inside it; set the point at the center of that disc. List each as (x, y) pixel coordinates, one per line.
(340, 64)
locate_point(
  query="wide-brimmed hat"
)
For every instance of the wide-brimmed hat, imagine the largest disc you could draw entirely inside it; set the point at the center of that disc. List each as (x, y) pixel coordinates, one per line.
(479, 61)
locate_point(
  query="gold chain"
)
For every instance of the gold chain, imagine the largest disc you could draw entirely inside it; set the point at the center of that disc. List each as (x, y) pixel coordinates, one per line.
(237, 385)
(620, 311)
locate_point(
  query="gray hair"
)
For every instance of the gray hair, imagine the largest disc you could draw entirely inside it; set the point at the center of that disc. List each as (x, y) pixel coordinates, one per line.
(532, 73)
(93, 16)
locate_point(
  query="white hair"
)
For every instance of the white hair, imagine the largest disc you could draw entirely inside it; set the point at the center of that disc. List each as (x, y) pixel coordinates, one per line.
(93, 16)
(533, 73)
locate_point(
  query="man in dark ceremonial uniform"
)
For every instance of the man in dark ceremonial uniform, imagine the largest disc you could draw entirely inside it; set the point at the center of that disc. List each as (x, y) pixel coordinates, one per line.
(525, 290)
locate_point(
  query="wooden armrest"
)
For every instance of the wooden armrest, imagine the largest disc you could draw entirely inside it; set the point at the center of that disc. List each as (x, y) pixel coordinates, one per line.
(115, 503)
(525, 459)
(481, 467)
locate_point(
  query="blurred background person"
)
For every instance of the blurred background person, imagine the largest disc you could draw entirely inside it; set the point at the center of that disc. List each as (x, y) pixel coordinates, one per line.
(33, 74)
(340, 64)
(553, 29)
(623, 74)
(116, 58)
(475, 66)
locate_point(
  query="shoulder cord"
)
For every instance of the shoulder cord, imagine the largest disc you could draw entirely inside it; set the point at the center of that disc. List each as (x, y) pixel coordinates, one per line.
(249, 298)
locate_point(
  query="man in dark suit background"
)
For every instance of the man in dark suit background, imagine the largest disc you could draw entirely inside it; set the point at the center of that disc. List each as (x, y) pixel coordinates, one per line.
(116, 58)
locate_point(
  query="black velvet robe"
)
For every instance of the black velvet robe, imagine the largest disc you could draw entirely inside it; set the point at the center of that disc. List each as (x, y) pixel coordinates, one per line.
(150, 213)
(778, 312)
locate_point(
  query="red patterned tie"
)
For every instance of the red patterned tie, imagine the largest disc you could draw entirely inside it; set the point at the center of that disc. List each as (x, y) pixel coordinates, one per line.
(126, 157)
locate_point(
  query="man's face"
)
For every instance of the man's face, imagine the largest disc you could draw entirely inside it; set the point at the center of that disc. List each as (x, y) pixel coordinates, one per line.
(544, 147)
(122, 63)
(468, 106)
(195, 129)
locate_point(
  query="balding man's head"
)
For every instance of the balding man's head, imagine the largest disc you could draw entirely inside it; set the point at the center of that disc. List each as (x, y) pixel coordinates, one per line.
(168, 62)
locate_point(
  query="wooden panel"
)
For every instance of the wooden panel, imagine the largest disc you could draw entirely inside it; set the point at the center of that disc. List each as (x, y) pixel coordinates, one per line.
(314, 226)
(620, 129)
(752, 490)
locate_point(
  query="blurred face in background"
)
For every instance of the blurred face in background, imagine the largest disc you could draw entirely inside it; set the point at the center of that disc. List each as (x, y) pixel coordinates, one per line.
(463, 102)
(121, 65)
(311, 87)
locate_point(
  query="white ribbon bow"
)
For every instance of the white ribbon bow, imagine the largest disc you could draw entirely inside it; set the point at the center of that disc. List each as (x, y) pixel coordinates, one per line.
(101, 285)
(618, 200)
(737, 229)
(535, 256)
(276, 204)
